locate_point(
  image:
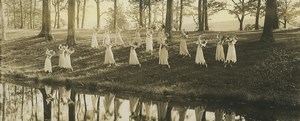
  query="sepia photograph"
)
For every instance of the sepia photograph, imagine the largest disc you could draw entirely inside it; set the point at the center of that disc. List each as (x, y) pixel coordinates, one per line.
(150, 60)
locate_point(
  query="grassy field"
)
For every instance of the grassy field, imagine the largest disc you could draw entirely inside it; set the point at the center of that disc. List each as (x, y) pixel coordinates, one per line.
(265, 72)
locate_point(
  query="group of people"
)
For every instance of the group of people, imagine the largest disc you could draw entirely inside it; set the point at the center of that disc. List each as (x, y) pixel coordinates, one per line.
(65, 52)
(64, 58)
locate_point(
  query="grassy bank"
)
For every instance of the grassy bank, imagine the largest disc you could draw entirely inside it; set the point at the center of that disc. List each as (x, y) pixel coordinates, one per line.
(265, 72)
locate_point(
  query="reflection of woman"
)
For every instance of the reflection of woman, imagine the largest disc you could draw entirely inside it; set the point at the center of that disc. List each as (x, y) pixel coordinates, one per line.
(118, 103)
(182, 113)
(133, 104)
(108, 106)
(162, 110)
(183, 50)
(199, 113)
(48, 65)
(148, 109)
(219, 115)
(199, 55)
(230, 116)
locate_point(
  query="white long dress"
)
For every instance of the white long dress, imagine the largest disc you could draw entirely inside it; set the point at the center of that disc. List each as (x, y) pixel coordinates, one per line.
(148, 110)
(183, 50)
(149, 43)
(94, 43)
(199, 55)
(119, 39)
(109, 56)
(231, 53)
(48, 65)
(133, 59)
(68, 64)
(220, 56)
(106, 39)
(109, 106)
(61, 61)
(164, 55)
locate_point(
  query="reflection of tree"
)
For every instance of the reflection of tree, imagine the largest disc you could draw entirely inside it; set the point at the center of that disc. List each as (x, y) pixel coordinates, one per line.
(199, 110)
(3, 105)
(72, 112)
(47, 106)
(162, 110)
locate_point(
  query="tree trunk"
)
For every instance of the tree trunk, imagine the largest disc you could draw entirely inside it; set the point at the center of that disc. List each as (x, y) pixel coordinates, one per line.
(22, 105)
(181, 12)
(169, 17)
(4, 95)
(276, 17)
(169, 113)
(149, 17)
(141, 12)
(58, 14)
(33, 16)
(54, 2)
(47, 106)
(15, 26)
(83, 14)
(85, 108)
(72, 112)
(257, 15)
(42, 33)
(163, 12)
(200, 22)
(98, 13)
(30, 15)
(78, 13)
(98, 109)
(267, 35)
(204, 116)
(241, 23)
(48, 34)
(71, 24)
(205, 14)
(115, 15)
(3, 20)
(285, 22)
(22, 19)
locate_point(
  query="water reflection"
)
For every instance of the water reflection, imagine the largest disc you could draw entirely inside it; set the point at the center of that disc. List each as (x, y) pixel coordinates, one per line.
(63, 104)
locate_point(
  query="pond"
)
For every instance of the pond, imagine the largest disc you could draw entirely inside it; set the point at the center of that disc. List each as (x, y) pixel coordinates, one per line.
(29, 103)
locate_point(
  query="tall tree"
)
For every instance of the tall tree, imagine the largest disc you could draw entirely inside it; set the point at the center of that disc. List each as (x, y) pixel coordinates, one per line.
(200, 13)
(42, 33)
(169, 17)
(256, 26)
(33, 14)
(98, 12)
(276, 17)
(3, 20)
(78, 13)
(241, 10)
(71, 23)
(205, 12)
(83, 13)
(30, 15)
(47, 19)
(149, 14)
(115, 15)
(181, 14)
(141, 12)
(21, 14)
(267, 35)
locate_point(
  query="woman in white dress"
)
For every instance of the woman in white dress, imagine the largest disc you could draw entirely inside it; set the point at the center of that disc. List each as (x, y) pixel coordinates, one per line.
(94, 43)
(68, 64)
(231, 53)
(48, 65)
(61, 62)
(220, 50)
(161, 38)
(183, 50)
(119, 39)
(138, 38)
(149, 41)
(109, 56)
(133, 59)
(106, 38)
(164, 55)
(199, 112)
(199, 55)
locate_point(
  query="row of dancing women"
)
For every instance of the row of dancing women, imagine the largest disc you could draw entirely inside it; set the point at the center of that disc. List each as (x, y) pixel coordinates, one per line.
(65, 51)
(137, 107)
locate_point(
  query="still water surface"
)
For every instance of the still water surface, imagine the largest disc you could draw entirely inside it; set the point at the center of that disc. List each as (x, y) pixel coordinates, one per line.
(21, 103)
